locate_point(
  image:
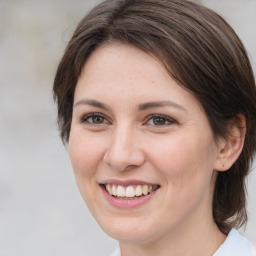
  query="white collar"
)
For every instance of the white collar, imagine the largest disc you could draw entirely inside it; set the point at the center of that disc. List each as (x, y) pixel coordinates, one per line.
(234, 245)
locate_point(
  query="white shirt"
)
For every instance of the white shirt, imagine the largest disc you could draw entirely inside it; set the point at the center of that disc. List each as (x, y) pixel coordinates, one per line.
(234, 245)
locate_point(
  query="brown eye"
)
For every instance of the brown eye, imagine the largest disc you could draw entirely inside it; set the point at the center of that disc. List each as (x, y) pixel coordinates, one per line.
(94, 119)
(97, 119)
(160, 120)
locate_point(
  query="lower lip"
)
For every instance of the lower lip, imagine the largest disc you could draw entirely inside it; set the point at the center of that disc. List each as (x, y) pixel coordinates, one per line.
(127, 203)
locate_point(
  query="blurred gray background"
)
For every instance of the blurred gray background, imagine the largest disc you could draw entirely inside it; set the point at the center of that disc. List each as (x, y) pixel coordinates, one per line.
(41, 211)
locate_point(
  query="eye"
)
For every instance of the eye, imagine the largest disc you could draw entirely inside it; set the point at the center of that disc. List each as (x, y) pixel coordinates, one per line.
(159, 120)
(94, 119)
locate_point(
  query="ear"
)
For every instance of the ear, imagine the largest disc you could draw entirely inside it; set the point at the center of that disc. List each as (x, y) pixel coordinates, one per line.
(230, 148)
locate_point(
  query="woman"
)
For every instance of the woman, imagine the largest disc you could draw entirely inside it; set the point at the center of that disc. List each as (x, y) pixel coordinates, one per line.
(157, 102)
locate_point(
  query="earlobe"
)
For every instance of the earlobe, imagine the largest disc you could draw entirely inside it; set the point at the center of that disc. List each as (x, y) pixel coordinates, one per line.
(231, 147)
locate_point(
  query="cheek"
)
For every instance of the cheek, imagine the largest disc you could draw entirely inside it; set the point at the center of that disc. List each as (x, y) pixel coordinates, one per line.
(186, 169)
(185, 161)
(84, 154)
(85, 158)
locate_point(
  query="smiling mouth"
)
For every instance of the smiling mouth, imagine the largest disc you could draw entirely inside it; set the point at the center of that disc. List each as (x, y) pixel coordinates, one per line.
(131, 191)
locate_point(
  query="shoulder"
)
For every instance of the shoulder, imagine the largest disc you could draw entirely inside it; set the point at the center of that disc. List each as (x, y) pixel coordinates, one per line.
(236, 245)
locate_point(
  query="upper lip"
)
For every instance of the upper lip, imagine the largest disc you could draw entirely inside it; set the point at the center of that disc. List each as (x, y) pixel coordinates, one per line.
(126, 182)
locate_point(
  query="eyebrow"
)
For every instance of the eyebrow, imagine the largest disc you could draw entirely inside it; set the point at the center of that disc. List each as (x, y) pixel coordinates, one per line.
(91, 102)
(158, 104)
(141, 107)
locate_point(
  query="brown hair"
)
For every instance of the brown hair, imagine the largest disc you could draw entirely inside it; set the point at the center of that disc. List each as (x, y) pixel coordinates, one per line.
(200, 51)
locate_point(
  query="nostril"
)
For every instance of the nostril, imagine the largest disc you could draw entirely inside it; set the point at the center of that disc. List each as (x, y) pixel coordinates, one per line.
(123, 160)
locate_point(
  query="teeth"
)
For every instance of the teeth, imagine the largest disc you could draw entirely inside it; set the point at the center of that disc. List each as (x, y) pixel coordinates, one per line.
(114, 191)
(121, 191)
(109, 189)
(138, 191)
(130, 191)
(145, 190)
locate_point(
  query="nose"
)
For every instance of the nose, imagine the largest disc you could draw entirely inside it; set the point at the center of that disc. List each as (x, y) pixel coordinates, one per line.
(124, 151)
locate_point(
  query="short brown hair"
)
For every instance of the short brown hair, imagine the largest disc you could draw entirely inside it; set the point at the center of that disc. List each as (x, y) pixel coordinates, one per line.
(200, 51)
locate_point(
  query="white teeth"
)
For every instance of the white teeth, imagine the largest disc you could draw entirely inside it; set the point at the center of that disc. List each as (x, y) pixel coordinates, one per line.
(130, 191)
(138, 191)
(109, 189)
(145, 189)
(120, 191)
(114, 191)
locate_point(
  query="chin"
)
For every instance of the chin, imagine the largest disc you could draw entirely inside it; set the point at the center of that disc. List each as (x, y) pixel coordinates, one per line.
(134, 230)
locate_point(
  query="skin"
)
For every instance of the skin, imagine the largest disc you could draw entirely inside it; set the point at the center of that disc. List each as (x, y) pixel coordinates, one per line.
(122, 141)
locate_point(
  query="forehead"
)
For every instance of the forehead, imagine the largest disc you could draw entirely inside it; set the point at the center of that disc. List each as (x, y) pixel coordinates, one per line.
(129, 74)
(124, 59)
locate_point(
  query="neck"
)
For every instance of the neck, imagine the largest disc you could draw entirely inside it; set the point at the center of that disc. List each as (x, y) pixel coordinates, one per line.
(189, 240)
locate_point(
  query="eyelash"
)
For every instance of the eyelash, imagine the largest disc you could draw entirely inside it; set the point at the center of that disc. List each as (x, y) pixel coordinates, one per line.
(167, 120)
(85, 118)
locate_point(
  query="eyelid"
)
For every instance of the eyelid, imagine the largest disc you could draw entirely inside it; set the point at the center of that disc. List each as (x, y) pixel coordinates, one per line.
(167, 118)
(85, 117)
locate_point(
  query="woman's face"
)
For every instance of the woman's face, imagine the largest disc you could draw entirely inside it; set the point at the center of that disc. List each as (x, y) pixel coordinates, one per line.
(141, 147)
